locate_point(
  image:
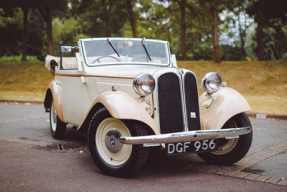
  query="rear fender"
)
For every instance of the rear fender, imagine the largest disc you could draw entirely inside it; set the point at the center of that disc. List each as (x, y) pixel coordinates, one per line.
(121, 106)
(225, 104)
(54, 92)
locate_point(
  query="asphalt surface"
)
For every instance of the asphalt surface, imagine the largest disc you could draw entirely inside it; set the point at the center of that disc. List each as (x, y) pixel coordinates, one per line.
(31, 160)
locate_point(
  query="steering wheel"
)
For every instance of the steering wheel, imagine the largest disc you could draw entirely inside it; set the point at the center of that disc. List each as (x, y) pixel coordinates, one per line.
(98, 59)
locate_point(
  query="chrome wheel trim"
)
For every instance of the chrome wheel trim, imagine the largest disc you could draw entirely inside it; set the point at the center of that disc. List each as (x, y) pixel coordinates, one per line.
(53, 118)
(226, 148)
(107, 142)
(112, 141)
(229, 145)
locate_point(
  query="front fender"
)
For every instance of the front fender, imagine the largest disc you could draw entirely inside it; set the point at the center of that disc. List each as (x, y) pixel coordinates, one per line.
(121, 106)
(54, 92)
(225, 104)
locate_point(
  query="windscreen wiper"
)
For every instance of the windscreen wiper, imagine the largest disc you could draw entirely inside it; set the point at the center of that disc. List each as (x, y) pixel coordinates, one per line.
(113, 47)
(145, 48)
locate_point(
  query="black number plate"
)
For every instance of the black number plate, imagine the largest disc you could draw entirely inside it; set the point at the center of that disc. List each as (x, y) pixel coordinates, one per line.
(191, 147)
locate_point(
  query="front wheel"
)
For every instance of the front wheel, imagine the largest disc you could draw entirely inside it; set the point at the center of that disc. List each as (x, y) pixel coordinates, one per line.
(58, 127)
(110, 155)
(230, 151)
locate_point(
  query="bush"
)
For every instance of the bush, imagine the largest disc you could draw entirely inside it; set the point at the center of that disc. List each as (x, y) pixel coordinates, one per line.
(15, 58)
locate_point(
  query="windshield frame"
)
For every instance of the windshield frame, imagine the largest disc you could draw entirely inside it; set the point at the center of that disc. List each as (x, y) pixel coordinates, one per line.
(166, 44)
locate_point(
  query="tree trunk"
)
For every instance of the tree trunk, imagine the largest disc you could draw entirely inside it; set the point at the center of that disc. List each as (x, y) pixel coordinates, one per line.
(133, 19)
(49, 28)
(242, 35)
(215, 34)
(260, 34)
(106, 16)
(183, 29)
(25, 31)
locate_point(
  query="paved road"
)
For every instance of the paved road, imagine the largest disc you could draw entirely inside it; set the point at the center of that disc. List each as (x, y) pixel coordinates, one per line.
(31, 161)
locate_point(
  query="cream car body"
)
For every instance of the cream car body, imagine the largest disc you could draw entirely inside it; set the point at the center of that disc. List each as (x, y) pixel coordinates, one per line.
(81, 88)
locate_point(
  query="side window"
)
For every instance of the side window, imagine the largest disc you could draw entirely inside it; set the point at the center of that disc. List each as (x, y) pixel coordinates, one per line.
(67, 57)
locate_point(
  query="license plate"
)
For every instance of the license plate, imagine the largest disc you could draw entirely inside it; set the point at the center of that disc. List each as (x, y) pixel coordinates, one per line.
(191, 147)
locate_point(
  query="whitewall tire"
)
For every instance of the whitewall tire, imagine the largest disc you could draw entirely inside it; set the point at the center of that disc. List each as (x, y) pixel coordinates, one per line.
(58, 128)
(110, 155)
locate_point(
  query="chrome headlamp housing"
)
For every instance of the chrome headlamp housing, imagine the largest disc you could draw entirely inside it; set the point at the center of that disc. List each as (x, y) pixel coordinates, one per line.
(211, 82)
(144, 84)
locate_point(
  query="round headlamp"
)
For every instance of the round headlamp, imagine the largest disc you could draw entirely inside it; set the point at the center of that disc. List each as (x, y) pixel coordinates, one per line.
(211, 82)
(144, 84)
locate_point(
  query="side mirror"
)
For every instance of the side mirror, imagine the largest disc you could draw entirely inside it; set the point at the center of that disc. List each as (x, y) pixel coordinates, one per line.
(66, 49)
(66, 52)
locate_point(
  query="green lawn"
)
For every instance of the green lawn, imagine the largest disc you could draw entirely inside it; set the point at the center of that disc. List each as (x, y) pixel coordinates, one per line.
(263, 84)
(24, 80)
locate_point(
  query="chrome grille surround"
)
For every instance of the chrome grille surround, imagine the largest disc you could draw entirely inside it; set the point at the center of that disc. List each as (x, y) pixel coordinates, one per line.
(166, 116)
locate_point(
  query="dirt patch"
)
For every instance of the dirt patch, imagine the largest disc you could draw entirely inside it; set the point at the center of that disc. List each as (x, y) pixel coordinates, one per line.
(64, 147)
(253, 171)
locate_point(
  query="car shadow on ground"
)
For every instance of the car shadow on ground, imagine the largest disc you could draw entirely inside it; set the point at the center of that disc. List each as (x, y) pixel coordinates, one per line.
(158, 163)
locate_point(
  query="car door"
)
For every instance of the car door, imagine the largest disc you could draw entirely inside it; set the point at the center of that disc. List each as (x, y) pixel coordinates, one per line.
(75, 98)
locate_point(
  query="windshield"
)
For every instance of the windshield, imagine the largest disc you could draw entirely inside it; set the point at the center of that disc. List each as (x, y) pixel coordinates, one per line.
(121, 51)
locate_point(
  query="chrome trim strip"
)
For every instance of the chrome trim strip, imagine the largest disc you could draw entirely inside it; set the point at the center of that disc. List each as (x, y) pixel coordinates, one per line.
(186, 136)
(79, 75)
(151, 144)
(234, 137)
(183, 103)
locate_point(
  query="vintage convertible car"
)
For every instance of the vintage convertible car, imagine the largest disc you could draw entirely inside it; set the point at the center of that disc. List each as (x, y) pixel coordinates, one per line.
(128, 95)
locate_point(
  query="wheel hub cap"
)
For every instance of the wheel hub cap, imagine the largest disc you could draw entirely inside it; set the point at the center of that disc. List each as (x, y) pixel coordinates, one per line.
(112, 141)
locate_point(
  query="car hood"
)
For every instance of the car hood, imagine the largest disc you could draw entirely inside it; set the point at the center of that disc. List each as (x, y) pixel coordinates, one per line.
(123, 70)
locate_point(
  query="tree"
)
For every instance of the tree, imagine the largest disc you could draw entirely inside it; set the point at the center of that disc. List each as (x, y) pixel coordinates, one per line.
(236, 23)
(217, 6)
(107, 6)
(275, 40)
(213, 7)
(182, 9)
(214, 13)
(266, 13)
(48, 9)
(9, 8)
(9, 35)
(183, 28)
(188, 24)
(102, 17)
(132, 17)
(240, 11)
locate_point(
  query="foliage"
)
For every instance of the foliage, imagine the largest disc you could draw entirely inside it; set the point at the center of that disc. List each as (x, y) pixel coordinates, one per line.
(15, 58)
(268, 14)
(102, 18)
(10, 33)
(274, 40)
(158, 19)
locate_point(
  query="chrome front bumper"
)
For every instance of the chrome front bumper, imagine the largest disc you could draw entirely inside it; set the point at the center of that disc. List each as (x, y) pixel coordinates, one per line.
(186, 136)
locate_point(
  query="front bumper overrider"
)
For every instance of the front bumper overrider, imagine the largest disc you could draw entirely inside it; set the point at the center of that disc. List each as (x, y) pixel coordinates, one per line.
(187, 136)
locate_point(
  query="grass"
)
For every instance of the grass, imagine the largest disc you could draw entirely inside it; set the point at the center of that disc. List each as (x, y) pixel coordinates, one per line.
(24, 80)
(262, 83)
(18, 58)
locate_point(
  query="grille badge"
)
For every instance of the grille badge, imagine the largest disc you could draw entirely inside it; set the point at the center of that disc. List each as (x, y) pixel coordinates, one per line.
(192, 115)
(180, 71)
